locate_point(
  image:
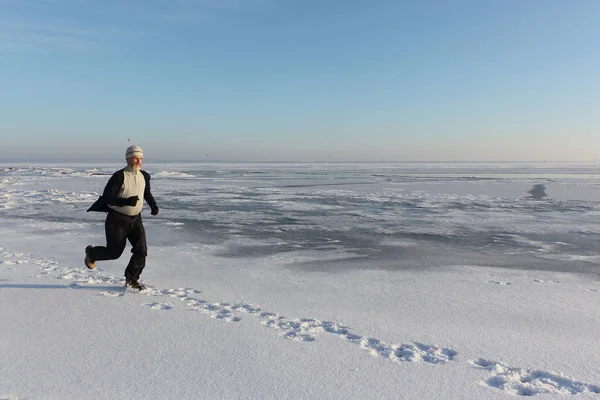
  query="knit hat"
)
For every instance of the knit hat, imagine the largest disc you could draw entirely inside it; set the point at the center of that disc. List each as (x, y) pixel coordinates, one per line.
(134, 151)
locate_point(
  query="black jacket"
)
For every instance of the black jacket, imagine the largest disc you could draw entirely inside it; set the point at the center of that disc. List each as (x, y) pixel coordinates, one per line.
(109, 196)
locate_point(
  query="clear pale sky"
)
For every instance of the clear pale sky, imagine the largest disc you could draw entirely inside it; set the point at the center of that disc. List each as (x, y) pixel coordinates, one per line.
(282, 80)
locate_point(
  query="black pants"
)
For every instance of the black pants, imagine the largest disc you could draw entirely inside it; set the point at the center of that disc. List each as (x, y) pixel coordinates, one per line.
(119, 228)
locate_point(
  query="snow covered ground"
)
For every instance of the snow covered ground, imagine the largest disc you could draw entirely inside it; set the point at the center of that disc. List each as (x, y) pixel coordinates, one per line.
(298, 281)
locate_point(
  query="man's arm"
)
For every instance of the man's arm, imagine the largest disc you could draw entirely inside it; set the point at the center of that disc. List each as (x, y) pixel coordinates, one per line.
(148, 194)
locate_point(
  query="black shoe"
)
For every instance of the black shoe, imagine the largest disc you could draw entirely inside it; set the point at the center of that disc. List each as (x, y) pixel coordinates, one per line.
(134, 284)
(91, 264)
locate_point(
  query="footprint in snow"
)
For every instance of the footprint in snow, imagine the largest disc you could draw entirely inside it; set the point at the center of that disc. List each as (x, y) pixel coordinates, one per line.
(227, 317)
(221, 311)
(159, 306)
(525, 382)
(14, 262)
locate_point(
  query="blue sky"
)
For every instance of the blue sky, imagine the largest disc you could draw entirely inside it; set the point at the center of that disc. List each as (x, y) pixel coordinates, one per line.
(282, 80)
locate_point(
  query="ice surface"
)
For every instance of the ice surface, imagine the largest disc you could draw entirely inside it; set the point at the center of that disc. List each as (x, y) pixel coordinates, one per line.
(463, 268)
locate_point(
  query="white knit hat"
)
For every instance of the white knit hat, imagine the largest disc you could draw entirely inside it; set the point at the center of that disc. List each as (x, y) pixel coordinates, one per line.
(134, 151)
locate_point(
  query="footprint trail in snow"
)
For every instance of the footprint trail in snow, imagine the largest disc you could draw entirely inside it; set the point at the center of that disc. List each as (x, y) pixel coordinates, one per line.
(515, 381)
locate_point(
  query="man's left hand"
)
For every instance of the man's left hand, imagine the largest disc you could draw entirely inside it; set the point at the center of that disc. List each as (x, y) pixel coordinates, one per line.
(154, 210)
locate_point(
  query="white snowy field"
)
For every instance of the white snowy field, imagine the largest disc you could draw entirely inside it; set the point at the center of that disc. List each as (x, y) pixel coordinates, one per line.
(302, 281)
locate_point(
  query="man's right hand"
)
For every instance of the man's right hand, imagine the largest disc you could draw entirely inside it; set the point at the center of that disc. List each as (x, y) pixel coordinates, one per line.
(131, 201)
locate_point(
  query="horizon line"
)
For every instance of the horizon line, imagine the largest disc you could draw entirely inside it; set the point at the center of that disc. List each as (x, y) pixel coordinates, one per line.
(196, 161)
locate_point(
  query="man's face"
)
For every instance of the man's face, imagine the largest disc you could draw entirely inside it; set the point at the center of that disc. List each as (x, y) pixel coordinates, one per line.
(135, 163)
